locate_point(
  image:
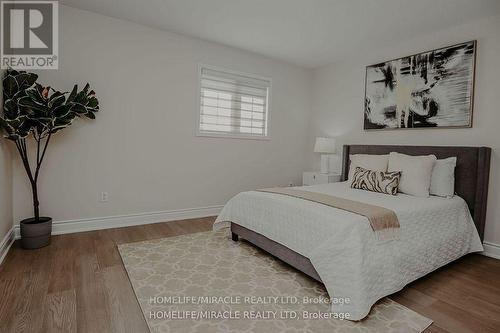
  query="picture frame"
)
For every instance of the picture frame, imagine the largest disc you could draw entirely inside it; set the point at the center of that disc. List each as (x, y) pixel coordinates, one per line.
(430, 89)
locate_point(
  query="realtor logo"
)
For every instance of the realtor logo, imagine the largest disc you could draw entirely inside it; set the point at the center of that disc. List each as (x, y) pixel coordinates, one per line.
(29, 33)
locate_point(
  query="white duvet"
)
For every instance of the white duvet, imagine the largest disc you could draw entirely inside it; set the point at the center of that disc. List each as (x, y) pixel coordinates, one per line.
(352, 263)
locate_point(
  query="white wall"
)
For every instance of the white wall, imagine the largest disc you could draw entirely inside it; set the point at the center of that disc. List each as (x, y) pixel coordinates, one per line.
(5, 183)
(142, 148)
(338, 94)
(5, 189)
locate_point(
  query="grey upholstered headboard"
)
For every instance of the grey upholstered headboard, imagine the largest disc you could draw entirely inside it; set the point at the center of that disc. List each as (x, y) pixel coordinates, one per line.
(471, 173)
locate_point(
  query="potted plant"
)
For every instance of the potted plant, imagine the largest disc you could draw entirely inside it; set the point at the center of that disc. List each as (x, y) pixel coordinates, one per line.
(36, 111)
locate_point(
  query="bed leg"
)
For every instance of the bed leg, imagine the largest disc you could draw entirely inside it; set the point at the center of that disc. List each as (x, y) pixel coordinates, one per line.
(234, 236)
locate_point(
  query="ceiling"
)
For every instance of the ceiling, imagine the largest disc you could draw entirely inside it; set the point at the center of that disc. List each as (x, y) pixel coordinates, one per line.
(309, 33)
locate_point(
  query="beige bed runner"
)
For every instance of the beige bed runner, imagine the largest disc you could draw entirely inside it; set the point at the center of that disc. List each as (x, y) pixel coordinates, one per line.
(380, 218)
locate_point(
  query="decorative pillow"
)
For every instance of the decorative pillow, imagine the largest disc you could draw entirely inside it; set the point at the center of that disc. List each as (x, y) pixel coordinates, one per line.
(443, 177)
(368, 162)
(416, 172)
(376, 181)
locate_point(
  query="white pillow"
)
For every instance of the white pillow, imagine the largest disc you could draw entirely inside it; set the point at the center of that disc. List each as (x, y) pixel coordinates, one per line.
(368, 162)
(416, 172)
(443, 177)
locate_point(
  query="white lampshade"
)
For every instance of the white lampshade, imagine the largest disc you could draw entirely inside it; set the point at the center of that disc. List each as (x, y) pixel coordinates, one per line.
(324, 145)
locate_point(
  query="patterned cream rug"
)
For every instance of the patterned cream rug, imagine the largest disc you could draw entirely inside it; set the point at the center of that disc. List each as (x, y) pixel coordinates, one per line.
(205, 282)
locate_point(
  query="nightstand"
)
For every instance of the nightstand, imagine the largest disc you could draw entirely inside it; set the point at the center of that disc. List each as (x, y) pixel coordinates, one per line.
(314, 178)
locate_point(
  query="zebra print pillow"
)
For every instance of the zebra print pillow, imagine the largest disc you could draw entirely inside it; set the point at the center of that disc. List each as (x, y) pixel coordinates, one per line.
(376, 181)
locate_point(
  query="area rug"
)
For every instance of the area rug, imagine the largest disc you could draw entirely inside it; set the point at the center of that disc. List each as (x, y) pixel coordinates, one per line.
(205, 282)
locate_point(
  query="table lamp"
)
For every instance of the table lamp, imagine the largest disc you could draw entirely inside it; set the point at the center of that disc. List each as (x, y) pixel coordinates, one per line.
(325, 146)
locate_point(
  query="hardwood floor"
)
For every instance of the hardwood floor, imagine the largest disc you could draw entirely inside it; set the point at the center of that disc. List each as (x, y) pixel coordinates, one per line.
(79, 284)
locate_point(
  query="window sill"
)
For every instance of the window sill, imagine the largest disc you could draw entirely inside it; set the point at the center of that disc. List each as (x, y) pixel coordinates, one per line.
(233, 136)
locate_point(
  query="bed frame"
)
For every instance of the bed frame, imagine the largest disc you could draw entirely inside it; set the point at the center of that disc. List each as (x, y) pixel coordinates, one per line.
(471, 183)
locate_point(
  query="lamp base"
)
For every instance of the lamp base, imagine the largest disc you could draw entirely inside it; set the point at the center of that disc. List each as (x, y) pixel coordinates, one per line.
(325, 167)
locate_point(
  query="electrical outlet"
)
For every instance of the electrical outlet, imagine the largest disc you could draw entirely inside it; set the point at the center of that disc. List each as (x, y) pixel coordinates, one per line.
(104, 197)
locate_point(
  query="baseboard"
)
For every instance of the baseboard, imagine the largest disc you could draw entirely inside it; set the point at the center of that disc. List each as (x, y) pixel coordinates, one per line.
(491, 250)
(108, 222)
(6, 244)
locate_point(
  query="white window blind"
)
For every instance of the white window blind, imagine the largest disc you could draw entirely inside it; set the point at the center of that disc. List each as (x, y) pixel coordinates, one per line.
(233, 105)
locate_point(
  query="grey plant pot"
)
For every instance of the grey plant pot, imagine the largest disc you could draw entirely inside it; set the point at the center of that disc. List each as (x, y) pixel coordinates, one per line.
(36, 235)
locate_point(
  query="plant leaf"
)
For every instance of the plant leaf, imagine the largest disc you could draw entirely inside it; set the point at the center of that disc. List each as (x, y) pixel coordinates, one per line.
(61, 110)
(10, 86)
(35, 94)
(63, 122)
(10, 109)
(72, 95)
(92, 103)
(78, 108)
(6, 126)
(86, 89)
(28, 103)
(25, 80)
(81, 97)
(57, 99)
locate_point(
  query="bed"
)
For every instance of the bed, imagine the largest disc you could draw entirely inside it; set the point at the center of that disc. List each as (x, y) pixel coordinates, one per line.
(339, 249)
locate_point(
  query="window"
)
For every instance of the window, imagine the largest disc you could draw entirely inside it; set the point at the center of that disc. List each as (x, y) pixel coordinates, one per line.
(233, 105)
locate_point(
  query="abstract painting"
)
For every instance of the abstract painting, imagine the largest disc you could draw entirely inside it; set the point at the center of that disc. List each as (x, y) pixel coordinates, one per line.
(425, 90)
